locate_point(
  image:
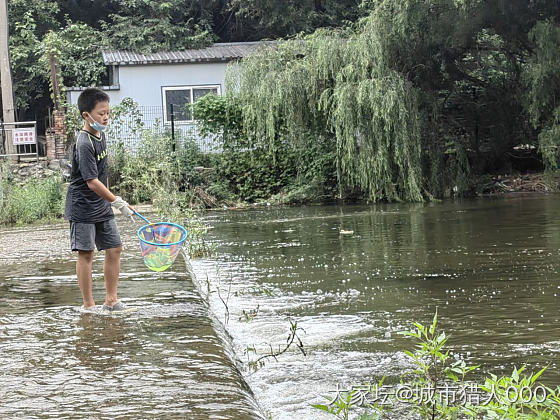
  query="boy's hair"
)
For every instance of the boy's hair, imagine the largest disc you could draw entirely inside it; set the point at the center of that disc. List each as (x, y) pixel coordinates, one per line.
(89, 98)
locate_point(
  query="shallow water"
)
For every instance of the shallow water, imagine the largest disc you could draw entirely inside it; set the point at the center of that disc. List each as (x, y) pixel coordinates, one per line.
(354, 276)
(172, 358)
(351, 276)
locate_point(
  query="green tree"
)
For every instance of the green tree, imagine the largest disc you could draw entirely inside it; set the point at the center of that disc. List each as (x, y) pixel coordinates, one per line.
(150, 25)
(543, 77)
(259, 19)
(29, 21)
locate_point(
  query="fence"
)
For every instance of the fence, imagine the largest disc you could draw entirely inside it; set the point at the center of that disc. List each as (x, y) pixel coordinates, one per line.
(128, 129)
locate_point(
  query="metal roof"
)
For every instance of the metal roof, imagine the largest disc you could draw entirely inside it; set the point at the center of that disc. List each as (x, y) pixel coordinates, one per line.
(214, 53)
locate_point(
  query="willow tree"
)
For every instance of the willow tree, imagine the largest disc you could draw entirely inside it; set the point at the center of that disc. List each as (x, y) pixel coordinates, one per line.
(332, 86)
(543, 78)
(353, 87)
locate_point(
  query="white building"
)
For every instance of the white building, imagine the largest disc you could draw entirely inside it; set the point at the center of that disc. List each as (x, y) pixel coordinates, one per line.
(157, 80)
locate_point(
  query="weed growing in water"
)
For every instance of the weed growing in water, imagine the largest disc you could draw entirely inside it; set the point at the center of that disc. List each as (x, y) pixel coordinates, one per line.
(437, 389)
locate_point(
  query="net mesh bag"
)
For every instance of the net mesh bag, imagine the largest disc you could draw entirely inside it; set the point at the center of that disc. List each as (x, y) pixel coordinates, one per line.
(161, 243)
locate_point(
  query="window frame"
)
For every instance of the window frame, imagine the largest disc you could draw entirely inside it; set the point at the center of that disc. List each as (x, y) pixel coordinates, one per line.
(164, 90)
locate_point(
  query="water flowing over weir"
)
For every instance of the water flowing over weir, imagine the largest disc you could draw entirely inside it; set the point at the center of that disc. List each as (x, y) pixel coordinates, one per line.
(351, 276)
(354, 276)
(170, 359)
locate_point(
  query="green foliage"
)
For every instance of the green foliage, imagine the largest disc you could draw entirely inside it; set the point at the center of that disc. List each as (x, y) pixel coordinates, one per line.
(158, 174)
(413, 100)
(294, 172)
(435, 373)
(37, 200)
(78, 49)
(151, 25)
(433, 367)
(339, 92)
(29, 78)
(273, 19)
(74, 121)
(418, 98)
(255, 174)
(220, 117)
(543, 78)
(518, 397)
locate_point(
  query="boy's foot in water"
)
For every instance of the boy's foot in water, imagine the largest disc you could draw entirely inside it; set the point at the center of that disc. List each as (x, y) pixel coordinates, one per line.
(95, 309)
(118, 308)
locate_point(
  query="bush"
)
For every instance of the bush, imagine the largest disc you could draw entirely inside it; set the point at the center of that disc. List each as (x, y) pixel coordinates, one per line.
(254, 171)
(37, 200)
(155, 167)
(165, 177)
(256, 174)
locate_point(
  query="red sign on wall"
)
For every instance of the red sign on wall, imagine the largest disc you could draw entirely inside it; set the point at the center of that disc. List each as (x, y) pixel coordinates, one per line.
(24, 136)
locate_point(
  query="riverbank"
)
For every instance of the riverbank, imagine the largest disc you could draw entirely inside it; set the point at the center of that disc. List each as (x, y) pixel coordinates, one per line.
(515, 183)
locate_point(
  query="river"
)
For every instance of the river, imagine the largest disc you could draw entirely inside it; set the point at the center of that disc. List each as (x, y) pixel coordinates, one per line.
(352, 277)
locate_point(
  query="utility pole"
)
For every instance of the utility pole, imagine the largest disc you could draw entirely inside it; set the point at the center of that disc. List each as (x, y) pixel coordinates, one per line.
(6, 75)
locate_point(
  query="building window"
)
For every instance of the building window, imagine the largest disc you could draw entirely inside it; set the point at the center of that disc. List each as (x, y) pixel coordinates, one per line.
(182, 98)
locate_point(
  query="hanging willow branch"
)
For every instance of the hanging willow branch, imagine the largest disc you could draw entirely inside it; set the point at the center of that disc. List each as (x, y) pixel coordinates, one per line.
(337, 85)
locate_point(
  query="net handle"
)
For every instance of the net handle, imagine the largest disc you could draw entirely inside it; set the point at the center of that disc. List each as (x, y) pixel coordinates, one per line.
(142, 217)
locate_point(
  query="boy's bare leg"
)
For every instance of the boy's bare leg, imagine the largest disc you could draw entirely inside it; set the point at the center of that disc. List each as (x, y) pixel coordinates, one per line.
(111, 270)
(83, 270)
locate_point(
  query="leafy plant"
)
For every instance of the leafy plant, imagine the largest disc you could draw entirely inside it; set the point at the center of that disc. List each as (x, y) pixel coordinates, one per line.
(36, 200)
(437, 388)
(433, 368)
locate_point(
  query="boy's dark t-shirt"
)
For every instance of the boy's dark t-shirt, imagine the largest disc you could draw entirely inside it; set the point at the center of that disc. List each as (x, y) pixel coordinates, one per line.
(89, 161)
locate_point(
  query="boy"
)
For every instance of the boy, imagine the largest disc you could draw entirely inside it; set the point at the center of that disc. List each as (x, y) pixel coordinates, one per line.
(89, 201)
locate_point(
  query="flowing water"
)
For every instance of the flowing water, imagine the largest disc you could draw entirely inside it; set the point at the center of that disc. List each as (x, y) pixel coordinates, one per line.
(172, 358)
(352, 277)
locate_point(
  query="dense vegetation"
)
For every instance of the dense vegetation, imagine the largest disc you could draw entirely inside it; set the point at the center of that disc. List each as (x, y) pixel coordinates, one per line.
(39, 199)
(416, 100)
(85, 28)
(376, 99)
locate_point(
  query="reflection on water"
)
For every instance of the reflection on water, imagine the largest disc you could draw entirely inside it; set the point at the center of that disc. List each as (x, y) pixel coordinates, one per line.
(169, 359)
(353, 276)
(101, 343)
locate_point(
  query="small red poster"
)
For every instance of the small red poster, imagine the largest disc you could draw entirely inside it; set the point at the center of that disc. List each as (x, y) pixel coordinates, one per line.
(23, 136)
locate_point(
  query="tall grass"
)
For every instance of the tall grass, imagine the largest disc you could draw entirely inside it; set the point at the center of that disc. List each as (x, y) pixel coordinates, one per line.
(36, 200)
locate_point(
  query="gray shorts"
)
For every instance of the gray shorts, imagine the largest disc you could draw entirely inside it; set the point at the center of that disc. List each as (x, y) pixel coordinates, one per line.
(86, 236)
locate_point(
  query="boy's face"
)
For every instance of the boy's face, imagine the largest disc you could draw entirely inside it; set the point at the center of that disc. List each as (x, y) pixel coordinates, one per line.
(99, 113)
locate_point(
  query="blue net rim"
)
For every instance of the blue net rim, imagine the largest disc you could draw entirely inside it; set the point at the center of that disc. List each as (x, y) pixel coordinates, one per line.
(184, 234)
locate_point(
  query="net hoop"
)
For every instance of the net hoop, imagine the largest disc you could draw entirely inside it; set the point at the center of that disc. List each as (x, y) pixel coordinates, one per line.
(184, 234)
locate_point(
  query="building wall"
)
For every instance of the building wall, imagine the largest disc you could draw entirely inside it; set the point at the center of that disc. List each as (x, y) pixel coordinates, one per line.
(143, 83)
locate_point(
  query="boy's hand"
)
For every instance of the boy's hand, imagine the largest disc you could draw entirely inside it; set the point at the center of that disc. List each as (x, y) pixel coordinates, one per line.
(122, 206)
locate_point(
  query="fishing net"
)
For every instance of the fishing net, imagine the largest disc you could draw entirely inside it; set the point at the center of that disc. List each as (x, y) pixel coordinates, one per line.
(161, 243)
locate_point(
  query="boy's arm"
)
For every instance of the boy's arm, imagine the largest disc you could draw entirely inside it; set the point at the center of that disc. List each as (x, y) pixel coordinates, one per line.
(101, 190)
